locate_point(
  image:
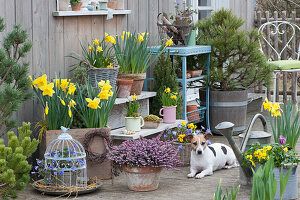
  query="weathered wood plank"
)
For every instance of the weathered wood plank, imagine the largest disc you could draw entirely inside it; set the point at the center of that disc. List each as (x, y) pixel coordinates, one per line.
(133, 18)
(153, 12)
(98, 27)
(143, 16)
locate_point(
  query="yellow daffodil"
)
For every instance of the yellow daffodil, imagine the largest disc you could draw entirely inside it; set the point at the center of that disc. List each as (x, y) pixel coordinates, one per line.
(195, 126)
(71, 89)
(72, 103)
(99, 49)
(110, 93)
(93, 104)
(48, 89)
(103, 94)
(31, 82)
(249, 157)
(167, 90)
(285, 149)
(70, 112)
(64, 83)
(169, 42)
(96, 41)
(41, 81)
(175, 93)
(173, 97)
(62, 101)
(183, 123)
(141, 38)
(110, 39)
(125, 34)
(101, 84)
(109, 66)
(133, 97)
(46, 108)
(267, 104)
(90, 48)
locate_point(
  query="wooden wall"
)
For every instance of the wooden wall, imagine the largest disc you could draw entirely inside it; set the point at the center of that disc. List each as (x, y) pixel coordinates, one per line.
(243, 9)
(54, 38)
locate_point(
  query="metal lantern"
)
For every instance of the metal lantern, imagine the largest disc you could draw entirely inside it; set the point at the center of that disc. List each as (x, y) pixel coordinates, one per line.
(65, 162)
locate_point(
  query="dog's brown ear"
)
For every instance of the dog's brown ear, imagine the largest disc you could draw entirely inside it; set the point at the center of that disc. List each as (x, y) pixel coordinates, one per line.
(188, 137)
(207, 135)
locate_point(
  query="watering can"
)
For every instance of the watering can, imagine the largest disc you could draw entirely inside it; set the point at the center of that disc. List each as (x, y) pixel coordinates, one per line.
(250, 137)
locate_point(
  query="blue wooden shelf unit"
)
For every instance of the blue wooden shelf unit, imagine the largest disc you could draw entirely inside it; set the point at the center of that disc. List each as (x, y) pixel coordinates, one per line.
(183, 52)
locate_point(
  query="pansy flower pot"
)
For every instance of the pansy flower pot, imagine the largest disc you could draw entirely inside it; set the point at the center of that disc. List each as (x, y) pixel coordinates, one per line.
(168, 114)
(134, 123)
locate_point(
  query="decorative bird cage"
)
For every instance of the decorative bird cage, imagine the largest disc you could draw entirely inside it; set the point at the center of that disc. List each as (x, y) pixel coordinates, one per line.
(65, 162)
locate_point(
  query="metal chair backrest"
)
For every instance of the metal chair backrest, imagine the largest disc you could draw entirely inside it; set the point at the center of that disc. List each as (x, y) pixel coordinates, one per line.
(278, 30)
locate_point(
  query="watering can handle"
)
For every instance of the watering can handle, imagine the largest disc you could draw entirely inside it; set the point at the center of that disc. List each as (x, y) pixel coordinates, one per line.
(247, 134)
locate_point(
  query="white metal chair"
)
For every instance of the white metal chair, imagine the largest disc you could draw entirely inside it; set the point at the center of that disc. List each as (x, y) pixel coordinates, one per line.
(276, 30)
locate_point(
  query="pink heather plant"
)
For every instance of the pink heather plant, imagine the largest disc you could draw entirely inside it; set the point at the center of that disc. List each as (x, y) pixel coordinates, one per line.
(145, 152)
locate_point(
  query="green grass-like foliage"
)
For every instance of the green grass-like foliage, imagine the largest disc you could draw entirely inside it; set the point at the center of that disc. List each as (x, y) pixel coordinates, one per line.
(14, 168)
(227, 196)
(264, 183)
(14, 81)
(236, 60)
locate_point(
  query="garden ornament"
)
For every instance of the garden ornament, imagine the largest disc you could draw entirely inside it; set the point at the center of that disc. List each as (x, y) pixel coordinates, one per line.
(208, 158)
(226, 128)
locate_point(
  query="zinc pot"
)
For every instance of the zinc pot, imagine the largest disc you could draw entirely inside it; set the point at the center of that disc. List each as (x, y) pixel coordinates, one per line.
(101, 170)
(63, 5)
(150, 125)
(230, 106)
(134, 123)
(168, 114)
(192, 40)
(142, 178)
(124, 87)
(194, 115)
(291, 190)
(138, 82)
(77, 7)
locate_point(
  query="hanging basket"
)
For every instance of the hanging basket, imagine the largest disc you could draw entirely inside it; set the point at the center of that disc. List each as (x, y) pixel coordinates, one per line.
(95, 75)
(179, 32)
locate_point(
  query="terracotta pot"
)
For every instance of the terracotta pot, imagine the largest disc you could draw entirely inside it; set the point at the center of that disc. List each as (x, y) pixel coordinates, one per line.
(151, 125)
(142, 178)
(188, 75)
(112, 4)
(195, 73)
(120, 4)
(138, 82)
(63, 5)
(94, 169)
(124, 87)
(194, 116)
(77, 7)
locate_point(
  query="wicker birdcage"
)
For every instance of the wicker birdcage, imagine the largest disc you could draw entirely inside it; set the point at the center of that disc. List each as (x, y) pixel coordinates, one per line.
(65, 162)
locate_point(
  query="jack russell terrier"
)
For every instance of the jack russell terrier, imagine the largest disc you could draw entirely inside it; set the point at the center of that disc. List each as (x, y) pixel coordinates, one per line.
(208, 158)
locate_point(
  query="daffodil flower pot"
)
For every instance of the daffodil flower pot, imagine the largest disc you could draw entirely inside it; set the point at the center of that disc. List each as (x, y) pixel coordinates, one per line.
(138, 82)
(96, 75)
(134, 123)
(168, 114)
(142, 178)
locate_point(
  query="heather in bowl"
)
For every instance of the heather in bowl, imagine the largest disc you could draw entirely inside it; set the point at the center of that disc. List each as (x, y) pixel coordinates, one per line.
(145, 152)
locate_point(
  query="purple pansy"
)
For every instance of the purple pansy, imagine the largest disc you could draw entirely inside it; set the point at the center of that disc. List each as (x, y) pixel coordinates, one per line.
(178, 3)
(179, 147)
(282, 140)
(181, 18)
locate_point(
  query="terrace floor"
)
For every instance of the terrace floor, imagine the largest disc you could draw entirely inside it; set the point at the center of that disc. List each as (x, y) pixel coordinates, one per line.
(173, 184)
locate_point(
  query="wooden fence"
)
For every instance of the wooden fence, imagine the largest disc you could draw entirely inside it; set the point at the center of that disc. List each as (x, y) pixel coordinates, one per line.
(278, 41)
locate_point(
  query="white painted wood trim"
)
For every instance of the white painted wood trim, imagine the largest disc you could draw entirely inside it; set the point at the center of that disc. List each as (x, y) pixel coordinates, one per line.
(89, 13)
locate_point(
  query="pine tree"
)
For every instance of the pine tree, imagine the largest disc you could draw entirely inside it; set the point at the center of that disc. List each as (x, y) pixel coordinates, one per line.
(164, 76)
(14, 168)
(14, 81)
(236, 61)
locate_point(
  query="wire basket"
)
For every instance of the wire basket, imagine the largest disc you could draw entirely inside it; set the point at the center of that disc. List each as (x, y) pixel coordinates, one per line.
(196, 116)
(179, 32)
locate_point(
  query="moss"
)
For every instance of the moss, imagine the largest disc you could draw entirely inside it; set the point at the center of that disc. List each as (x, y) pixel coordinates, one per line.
(152, 118)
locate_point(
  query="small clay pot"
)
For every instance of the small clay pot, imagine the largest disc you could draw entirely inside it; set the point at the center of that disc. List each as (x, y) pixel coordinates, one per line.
(138, 82)
(124, 87)
(112, 5)
(77, 7)
(188, 75)
(195, 73)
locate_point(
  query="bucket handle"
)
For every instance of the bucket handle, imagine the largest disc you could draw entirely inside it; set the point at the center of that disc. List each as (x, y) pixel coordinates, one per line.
(160, 112)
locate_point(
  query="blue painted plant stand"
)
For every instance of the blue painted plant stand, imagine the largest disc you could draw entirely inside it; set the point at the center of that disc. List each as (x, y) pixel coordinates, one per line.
(183, 52)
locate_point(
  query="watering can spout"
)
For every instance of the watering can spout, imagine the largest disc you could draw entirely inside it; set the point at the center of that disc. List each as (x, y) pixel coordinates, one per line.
(226, 129)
